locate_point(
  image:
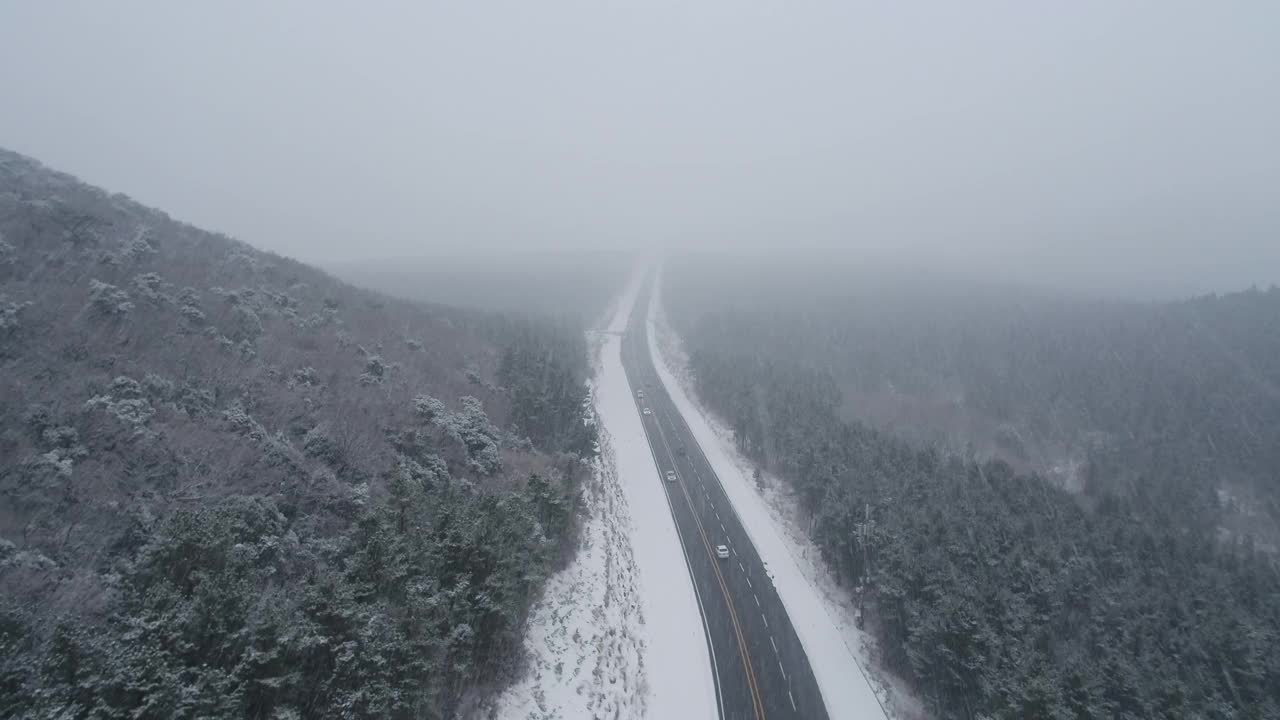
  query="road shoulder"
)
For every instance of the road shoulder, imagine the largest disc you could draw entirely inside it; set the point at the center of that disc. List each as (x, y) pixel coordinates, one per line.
(819, 609)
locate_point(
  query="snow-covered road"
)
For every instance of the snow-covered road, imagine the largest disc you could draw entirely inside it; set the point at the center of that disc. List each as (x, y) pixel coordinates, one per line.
(676, 659)
(818, 609)
(618, 633)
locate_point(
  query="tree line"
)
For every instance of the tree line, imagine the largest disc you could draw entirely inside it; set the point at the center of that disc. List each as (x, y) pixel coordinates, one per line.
(995, 591)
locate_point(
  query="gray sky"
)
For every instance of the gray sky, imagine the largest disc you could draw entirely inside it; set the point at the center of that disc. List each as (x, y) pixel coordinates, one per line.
(1138, 136)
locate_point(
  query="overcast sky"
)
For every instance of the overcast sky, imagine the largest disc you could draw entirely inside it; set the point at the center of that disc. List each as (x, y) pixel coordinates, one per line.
(1137, 136)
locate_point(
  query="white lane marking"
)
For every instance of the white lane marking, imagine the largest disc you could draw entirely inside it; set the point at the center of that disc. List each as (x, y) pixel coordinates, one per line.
(741, 568)
(765, 619)
(793, 700)
(723, 530)
(735, 552)
(782, 669)
(684, 549)
(757, 597)
(774, 644)
(749, 584)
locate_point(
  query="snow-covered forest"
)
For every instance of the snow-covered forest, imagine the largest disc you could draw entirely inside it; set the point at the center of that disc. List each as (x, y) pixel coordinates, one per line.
(233, 486)
(1072, 501)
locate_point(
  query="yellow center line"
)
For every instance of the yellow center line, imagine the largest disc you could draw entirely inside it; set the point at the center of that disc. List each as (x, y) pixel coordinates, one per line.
(756, 701)
(733, 614)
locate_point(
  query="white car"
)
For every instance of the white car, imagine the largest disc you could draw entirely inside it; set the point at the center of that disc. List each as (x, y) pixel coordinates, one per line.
(671, 476)
(640, 394)
(647, 411)
(722, 552)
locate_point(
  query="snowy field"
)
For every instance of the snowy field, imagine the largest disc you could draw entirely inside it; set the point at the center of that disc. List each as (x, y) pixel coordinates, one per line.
(822, 612)
(617, 632)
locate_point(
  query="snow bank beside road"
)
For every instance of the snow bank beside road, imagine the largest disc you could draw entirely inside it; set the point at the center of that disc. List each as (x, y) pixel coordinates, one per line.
(617, 633)
(622, 308)
(585, 639)
(680, 684)
(824, 623)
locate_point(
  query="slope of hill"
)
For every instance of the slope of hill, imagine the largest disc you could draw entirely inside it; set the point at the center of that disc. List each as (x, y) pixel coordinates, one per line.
(231, 485)
(996, 592)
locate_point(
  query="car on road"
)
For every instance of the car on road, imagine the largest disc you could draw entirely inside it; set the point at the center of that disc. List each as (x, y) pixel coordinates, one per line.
(647, 411)
(682, 450)
(722, 552)
(640, 394)
(671, 476)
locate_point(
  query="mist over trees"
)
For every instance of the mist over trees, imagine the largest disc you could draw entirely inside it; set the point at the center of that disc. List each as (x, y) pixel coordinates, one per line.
(1073, 501)
(231, 485)
(573, 286)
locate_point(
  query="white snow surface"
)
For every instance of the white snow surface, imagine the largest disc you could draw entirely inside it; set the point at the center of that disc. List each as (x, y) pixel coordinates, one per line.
(821, 611)
(617, 633)
(680, 683)
(585, 639)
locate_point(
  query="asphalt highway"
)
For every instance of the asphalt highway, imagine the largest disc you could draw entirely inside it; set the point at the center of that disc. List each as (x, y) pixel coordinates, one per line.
(760, 668)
